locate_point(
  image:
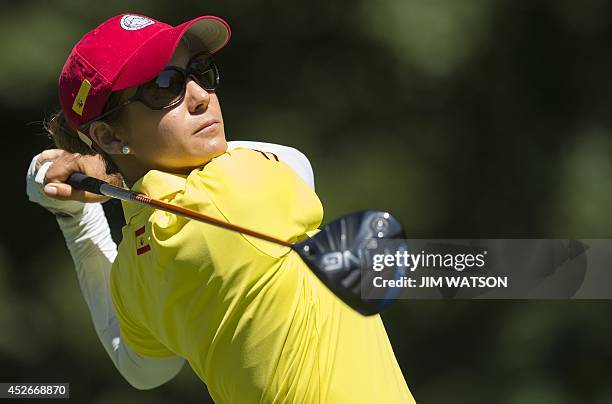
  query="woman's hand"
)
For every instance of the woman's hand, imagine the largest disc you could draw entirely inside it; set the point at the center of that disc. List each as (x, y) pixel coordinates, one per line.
(63, 164)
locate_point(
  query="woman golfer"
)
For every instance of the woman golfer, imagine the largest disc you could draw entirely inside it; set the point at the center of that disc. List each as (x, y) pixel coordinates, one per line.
(138, 106)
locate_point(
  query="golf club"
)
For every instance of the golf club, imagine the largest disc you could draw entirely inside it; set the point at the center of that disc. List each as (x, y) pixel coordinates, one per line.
(337, 254)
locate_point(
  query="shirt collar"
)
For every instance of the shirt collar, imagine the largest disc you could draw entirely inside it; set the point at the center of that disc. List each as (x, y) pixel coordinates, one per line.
(157, 185)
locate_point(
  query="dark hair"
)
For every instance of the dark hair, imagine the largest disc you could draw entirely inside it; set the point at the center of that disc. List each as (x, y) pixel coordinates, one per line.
(66, 138)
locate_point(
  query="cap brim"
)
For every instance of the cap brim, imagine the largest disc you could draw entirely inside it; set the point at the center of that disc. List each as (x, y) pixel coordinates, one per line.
(145, 64)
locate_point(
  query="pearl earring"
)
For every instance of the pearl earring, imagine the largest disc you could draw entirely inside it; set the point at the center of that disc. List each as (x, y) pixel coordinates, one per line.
(125, 149)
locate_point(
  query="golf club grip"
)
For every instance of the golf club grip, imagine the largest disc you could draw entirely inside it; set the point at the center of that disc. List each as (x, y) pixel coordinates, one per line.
(89, 184)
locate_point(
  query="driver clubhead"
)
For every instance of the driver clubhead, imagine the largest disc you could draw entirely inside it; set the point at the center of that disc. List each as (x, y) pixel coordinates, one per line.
(339, 256)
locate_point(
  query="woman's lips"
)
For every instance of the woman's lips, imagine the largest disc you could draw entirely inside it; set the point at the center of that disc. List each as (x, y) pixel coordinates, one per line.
(207, 126)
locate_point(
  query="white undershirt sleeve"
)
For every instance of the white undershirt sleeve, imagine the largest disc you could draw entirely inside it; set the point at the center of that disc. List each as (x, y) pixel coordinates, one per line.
(93, 251)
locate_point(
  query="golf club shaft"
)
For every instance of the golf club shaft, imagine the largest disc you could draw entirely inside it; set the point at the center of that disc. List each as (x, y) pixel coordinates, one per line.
(96, 186)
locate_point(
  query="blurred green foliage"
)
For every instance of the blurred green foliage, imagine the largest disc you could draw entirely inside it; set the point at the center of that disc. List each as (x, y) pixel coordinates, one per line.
(465, 119)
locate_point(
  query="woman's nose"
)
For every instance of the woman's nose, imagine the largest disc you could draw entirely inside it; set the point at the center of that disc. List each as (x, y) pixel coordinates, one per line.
(195, 96)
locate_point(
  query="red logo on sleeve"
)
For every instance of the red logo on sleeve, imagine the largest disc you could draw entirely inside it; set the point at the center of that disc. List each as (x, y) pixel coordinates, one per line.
(141, 245)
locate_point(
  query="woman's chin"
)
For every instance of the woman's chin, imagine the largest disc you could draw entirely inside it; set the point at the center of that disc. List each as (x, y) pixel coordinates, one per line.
(209, 152)
(216, 146)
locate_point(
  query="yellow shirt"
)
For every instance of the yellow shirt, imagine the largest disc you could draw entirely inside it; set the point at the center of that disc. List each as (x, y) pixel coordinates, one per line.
(252, 320)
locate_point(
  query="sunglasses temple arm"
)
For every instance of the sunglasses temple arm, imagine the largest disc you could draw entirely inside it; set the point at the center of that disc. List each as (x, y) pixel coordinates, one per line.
(110, 111)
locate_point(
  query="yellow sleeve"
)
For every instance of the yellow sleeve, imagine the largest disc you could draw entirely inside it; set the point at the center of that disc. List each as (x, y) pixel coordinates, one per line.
(135, 336)
(259, 192)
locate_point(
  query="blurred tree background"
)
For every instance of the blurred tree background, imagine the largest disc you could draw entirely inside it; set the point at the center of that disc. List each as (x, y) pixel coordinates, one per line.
(466, 119)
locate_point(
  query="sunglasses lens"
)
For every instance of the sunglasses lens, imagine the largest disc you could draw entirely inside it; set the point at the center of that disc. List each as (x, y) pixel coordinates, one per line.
(205, 73)
(164, 90)
(168, 88)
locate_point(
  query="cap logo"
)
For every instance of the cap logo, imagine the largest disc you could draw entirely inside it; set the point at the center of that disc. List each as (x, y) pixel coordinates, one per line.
(81, 97)
(135, 22)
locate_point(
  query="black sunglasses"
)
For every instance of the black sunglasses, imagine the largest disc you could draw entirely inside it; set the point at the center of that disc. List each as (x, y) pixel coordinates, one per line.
(168, 88)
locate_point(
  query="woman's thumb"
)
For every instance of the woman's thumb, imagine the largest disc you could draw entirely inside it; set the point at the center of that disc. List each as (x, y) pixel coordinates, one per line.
(63, 192)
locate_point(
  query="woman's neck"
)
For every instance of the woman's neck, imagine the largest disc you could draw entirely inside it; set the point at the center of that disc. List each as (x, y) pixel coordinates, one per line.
(132, 170)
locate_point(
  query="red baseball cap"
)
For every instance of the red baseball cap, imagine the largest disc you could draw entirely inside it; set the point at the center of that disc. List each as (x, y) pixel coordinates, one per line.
(125, 51)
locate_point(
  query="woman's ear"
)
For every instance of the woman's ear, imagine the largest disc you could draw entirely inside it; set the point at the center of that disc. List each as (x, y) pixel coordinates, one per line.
(107, 137)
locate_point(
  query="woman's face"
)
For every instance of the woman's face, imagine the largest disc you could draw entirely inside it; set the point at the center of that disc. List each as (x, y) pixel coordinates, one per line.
(171, 139)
